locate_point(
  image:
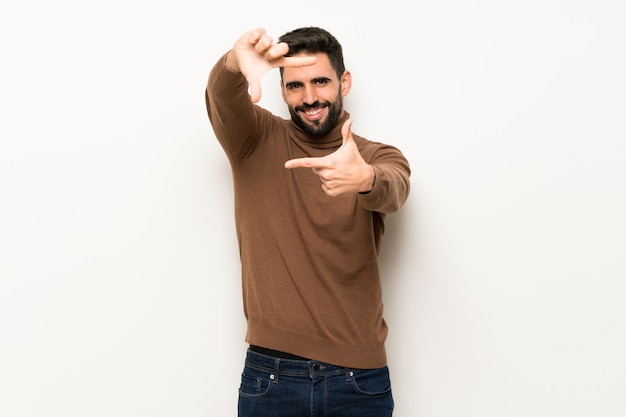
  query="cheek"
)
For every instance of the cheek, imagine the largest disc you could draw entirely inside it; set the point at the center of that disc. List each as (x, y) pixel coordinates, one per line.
(292, 100)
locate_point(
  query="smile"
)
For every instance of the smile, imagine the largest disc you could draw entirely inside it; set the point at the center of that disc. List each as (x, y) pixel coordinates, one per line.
(314, 114)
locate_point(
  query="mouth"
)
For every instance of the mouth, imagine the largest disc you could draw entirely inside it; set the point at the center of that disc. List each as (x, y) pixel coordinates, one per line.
(315, 113)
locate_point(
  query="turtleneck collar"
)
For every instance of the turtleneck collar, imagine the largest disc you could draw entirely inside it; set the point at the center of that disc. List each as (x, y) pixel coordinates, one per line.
(332, 139)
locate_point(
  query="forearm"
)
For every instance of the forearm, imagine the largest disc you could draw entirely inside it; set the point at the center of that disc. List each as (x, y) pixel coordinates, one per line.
(229, 108)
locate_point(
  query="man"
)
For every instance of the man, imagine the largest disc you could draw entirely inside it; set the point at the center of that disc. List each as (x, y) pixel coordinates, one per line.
(310, 203)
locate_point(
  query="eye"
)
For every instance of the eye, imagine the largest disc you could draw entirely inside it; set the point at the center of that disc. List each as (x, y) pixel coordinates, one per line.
(293, 86)
(321, 81)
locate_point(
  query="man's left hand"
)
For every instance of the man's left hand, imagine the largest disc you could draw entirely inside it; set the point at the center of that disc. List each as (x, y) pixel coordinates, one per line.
(343, 171)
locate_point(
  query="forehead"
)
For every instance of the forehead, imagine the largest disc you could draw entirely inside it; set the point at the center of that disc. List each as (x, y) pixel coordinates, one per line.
(321, 68)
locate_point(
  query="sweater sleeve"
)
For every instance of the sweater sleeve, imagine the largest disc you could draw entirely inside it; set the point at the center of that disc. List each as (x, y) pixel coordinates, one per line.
(232, 115)
(391, 183)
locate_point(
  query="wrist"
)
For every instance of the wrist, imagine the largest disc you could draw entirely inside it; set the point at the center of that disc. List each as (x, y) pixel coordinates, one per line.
(231, 62)
(368, 183)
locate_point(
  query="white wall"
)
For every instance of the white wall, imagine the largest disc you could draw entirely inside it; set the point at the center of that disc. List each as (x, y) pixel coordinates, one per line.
(504, 273)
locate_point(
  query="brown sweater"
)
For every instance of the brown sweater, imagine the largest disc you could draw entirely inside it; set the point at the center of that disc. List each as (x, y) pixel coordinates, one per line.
(311, 284)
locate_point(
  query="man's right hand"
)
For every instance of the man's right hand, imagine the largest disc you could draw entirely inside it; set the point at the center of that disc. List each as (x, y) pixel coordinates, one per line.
(255, 53)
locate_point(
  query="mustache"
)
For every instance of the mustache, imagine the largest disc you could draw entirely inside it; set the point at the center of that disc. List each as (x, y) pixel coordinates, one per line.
(317, 104)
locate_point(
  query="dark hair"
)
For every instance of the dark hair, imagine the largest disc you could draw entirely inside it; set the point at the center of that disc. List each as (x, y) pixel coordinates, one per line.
(314, 40)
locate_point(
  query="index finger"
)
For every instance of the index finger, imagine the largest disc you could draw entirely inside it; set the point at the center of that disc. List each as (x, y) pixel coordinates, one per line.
(295, 61)
(277, 54)
(304, 163)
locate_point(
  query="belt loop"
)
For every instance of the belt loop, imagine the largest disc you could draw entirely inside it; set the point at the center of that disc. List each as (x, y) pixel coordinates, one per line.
(274, 376)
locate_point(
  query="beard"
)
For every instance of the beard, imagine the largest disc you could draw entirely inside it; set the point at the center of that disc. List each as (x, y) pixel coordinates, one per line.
(318, 127)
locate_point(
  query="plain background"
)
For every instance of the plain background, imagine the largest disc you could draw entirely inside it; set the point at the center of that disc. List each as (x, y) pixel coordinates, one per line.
(503, 274)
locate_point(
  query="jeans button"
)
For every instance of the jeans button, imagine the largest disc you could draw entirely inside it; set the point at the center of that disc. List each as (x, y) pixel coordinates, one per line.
(315, 367)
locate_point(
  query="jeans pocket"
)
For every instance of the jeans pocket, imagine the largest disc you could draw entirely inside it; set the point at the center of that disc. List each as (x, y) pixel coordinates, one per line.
(371, 381)
(254, 383)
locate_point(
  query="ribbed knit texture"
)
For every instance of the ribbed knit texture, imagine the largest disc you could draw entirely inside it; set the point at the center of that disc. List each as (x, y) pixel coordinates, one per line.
(310, 276)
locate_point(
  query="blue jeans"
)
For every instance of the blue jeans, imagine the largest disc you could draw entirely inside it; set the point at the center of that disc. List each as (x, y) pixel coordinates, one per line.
(272, 387)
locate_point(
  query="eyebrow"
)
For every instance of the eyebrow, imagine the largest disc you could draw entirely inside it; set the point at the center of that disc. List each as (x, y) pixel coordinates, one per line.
(314, 80)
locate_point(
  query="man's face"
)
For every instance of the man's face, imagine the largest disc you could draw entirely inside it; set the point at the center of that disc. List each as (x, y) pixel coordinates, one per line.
(314, 95)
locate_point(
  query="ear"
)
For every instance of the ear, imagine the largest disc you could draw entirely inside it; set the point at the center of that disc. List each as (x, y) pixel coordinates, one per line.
(346, 83)
(282, 90)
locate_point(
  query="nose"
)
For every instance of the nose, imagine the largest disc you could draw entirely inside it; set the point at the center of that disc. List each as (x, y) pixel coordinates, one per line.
(310, 95)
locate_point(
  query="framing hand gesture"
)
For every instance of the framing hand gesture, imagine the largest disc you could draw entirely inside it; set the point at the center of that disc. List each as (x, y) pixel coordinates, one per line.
(343, 171)
(255, 53)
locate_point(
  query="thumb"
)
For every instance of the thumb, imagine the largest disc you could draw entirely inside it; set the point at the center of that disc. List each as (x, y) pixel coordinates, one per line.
(346, 134)
(254, 87)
